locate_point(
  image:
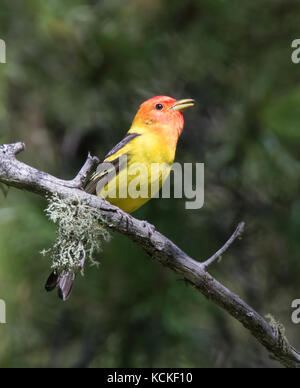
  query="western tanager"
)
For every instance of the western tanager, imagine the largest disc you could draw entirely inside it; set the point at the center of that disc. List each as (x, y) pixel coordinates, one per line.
(151, 140)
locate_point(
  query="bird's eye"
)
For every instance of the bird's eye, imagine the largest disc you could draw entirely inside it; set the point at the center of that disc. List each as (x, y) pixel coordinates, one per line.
(159, 106)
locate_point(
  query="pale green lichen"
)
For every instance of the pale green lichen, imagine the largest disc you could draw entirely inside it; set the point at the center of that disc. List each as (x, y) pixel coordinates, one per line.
(280, 331)
(80, 234)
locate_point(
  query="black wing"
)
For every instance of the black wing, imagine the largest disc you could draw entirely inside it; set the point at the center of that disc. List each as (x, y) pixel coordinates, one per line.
(105, 172)
(119, 146)
(109, 169)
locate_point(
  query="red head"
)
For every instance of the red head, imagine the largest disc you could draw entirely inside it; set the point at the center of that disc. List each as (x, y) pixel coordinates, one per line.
(162, 113)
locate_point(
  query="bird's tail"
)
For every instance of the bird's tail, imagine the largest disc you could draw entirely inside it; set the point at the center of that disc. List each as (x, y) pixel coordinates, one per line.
(63, 281)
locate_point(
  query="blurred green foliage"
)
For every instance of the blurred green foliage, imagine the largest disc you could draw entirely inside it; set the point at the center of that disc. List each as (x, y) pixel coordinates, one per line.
(76, 72)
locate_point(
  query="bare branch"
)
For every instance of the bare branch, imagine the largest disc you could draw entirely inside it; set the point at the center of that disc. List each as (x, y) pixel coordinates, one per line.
(12, 149)
(83, 175)
(238, 232)
(17, 174)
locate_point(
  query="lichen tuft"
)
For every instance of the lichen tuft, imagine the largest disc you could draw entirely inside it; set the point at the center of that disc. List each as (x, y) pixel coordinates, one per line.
(280, 332)
(80, 234)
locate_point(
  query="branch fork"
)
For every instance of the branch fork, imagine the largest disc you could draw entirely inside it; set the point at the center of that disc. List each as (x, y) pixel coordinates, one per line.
(90, 165)
(218, 255)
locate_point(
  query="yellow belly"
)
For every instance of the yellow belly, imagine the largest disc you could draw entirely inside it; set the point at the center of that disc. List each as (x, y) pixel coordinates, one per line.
(135, 186)
(148, 168)
(128, 205)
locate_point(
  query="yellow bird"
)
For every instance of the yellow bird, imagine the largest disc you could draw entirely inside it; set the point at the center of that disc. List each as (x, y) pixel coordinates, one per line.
(151, 141)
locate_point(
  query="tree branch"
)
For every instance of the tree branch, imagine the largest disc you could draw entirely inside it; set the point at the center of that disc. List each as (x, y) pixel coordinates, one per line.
(238, 232)
(17, 174)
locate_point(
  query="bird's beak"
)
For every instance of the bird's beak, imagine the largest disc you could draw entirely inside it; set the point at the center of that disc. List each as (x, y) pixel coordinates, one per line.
(183, 104)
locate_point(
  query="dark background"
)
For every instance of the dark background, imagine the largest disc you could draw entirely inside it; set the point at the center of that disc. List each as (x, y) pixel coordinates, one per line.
(76, 73)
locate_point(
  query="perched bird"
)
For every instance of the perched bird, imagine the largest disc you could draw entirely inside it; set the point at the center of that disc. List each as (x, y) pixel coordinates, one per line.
(152, 139)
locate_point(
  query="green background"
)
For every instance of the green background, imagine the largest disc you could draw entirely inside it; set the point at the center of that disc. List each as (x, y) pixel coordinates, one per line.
(76, 73)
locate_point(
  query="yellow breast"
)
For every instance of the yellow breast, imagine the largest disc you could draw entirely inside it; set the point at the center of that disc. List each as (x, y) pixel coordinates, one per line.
(149, 164)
